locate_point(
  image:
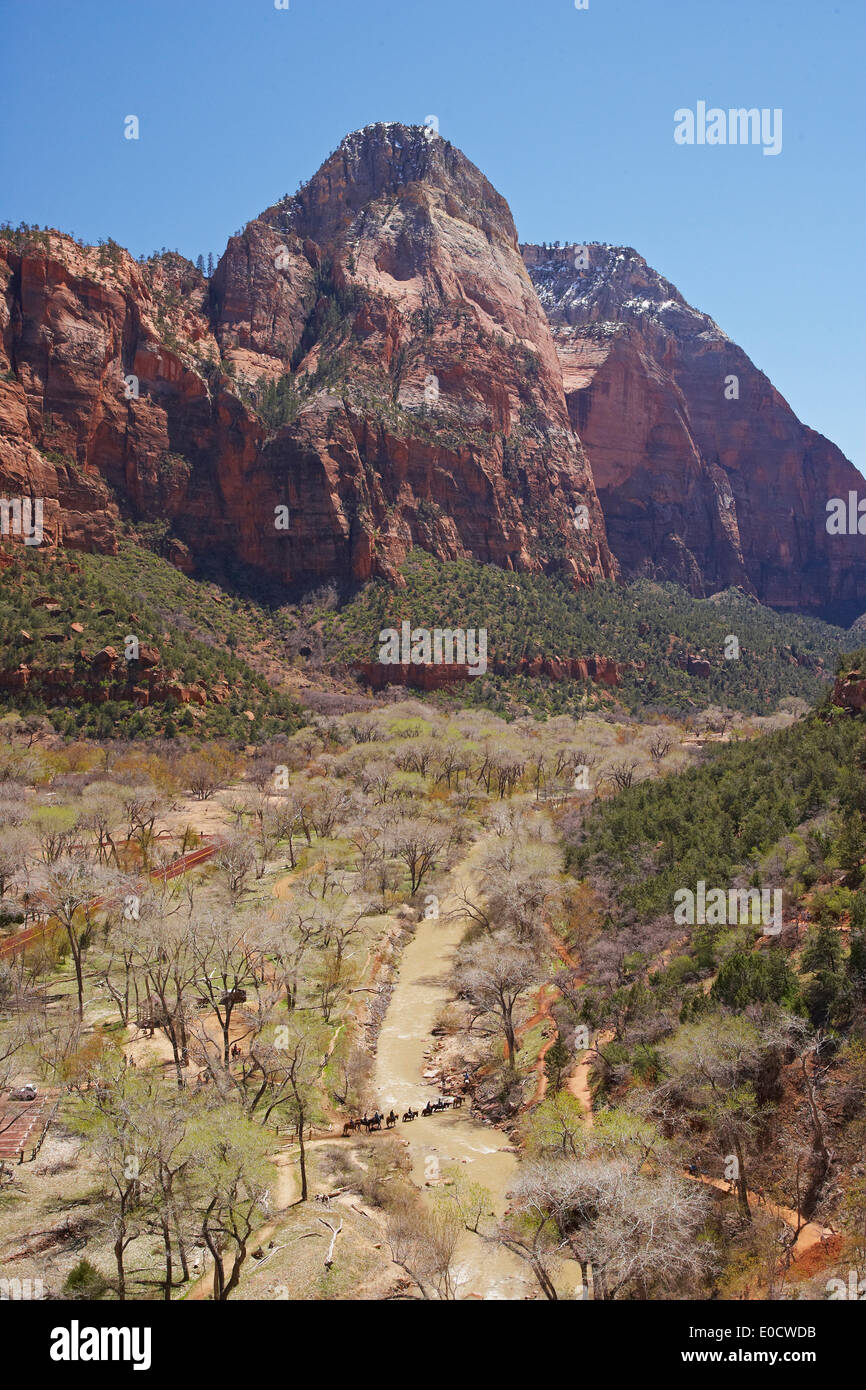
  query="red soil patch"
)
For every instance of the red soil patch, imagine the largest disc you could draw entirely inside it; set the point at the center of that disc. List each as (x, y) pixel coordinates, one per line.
(817, 1258)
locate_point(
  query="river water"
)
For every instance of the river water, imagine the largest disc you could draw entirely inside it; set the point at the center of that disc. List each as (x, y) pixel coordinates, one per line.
(484, 1269)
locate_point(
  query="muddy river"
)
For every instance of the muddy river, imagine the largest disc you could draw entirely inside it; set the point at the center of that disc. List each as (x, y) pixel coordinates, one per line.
(452, 1138)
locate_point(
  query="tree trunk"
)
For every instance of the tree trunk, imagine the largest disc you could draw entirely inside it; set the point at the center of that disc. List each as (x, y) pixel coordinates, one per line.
(303, 1158)
(181, 1245)
(742, 1185)
(218, 1274)
(118, 1259)
(75, 948)
(166, 1240)
(510, 1039)
(239, 1258)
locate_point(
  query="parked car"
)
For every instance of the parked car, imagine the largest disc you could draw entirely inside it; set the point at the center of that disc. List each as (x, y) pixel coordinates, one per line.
(25, 1092)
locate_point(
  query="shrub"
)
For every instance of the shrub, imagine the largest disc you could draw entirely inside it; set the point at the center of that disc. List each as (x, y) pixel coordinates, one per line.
(85, 1282)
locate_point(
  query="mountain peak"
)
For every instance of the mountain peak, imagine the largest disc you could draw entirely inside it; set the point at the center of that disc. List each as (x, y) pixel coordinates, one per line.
(691, 448)
(387, 161)
(597, 283)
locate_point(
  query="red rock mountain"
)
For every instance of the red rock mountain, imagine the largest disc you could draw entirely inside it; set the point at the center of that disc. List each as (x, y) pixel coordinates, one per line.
(696, 485)
(370, 354)
(373, 367)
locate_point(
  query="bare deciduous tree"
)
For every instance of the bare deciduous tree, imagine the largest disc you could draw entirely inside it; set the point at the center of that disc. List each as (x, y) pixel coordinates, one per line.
(622, 774)
(660, 747)
(418, 843)
(636, 1230)
(493, 974)
(423, 1241)
(71, 889)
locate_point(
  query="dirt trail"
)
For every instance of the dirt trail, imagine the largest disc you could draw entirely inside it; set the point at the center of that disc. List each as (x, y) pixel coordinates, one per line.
(578, 1081)
(811, 1234)
(543, 1014)
(545, 1000)
(284, 1193)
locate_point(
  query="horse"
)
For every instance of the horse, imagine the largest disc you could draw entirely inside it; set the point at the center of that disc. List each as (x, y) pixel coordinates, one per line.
(350, 1126)
(375, 1123)
(410, 1115)
(391, 1120)
(428, 1109)
(458, 1101)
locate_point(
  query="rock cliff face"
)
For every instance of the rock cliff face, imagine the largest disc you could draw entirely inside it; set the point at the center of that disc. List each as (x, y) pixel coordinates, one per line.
(703, 479)
(600, 669)
(849, 691)
(375, 366)
(368, 370)
(107, 676)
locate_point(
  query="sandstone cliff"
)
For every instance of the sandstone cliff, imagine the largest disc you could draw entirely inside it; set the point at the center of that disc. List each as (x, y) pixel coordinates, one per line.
(600, 669)
(375, 366)
(696, 486)
(370, 356)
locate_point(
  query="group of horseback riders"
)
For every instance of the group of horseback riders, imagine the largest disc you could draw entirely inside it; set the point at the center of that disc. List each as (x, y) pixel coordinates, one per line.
(370, 1122)
(373, 1123)
(433, 1108)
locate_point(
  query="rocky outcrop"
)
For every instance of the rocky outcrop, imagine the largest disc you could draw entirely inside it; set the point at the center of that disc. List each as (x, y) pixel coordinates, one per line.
(598, 669)
(696, 666)
(106, 676)
(704, 473)
(849, 691)
(377, 675)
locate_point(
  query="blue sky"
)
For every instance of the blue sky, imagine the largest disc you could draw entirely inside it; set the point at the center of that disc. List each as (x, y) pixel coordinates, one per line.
(569, 113)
